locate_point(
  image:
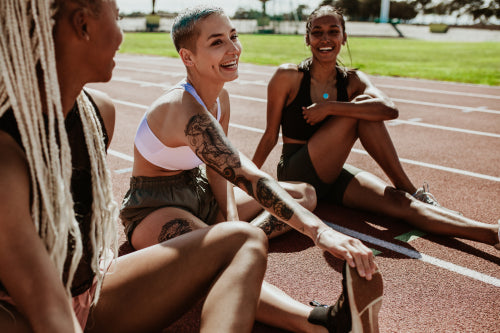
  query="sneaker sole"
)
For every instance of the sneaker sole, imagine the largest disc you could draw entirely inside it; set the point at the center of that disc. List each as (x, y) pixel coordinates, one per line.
(365, 300)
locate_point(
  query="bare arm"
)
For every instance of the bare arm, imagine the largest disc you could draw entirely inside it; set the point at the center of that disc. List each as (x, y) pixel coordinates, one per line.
(277, 92)
(26, 270)
(106, 109)
(206, 138)
(223, 190)
(367, 102)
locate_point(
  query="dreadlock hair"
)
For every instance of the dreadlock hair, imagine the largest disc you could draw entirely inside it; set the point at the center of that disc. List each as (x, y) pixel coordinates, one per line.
(325, 10)
(184, 31)
(28, 85)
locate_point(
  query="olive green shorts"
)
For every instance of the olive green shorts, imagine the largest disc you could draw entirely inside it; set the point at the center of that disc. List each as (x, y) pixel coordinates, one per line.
(296, 165)
(188, 190)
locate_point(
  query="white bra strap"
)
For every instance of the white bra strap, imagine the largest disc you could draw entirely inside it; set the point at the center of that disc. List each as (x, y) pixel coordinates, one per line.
(190, 89)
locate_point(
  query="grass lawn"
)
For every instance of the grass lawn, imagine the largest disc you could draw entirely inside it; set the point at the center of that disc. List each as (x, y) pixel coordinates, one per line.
(477, 63)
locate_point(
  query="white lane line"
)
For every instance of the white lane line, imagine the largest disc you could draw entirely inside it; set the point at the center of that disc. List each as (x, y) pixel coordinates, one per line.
(261, 82)
(447, 106)
(134, 105)
(446, 128)
(381, 243)
(263, 100)
(120, 171)
(436, 91)
(427, 165)
(417, 255)
(183, 73)
(121, 155)
(439, 167)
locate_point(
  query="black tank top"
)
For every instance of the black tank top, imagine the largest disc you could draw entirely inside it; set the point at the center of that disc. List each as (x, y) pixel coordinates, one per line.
(293, 124)
(81, 189)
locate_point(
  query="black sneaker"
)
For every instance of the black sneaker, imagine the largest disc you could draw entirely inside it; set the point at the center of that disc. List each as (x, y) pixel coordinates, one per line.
(357, 308)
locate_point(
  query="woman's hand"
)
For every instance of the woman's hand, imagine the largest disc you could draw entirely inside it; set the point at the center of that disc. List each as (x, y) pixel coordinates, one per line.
(315, 113)
(350, 249)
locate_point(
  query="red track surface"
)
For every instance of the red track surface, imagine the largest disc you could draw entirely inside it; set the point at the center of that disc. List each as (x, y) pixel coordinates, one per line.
(447, 135)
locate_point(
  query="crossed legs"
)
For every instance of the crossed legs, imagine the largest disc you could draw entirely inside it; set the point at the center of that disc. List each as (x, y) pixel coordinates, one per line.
(276, 308)
(147, 290)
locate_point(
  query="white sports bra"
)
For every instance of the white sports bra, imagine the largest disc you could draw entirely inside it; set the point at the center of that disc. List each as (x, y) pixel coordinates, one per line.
(155, 152)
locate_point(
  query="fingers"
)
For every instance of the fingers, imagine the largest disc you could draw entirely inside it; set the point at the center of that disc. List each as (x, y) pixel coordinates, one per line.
(363, 258)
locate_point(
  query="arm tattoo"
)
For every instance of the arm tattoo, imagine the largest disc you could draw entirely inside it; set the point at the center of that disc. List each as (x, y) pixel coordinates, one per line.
(174, 228)
(269, 198)
(271, 224)
(212, 146)
(215, 149)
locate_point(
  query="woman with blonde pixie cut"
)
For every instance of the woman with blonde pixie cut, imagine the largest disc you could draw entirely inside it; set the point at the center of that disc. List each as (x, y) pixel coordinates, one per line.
(57, 215)
(185, 167)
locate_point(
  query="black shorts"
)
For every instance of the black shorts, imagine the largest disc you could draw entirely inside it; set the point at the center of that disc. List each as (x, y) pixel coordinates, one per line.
(188, 190)
(296, 165)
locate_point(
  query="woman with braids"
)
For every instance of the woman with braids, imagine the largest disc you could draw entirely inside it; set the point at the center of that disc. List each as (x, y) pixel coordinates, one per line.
(171, 194)
(57, 216)
(322, 105)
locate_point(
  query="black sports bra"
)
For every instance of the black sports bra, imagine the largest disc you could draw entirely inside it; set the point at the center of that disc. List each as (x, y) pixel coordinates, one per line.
(293, 124)
(81, 188)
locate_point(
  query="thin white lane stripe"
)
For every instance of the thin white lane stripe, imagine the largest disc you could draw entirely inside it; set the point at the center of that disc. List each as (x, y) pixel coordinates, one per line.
(448, 106)
(161, 61)
(120, 155)
(427, 165)
(439, 167)
(417, 255)
(263, 100)
(444, 92)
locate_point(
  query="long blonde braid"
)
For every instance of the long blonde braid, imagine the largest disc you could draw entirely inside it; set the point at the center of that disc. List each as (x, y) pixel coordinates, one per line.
(27, 62)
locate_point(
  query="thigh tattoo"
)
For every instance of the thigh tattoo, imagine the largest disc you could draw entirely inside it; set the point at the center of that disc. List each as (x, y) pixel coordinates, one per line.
(174, 228)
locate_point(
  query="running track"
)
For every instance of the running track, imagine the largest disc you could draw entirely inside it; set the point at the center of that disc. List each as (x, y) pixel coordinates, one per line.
(447, 134)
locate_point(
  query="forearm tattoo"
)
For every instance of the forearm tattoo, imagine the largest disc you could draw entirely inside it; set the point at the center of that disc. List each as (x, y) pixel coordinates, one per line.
(215, 149)
(269, 198)
(271, 224)
(174, 228)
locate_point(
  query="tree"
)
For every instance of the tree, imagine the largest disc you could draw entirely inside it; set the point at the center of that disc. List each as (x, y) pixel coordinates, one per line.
(153, 12)
(402, 10)
(263, 7)
(479, 9)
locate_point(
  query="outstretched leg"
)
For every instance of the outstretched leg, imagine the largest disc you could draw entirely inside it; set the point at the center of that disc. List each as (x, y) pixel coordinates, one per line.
(369, 192)
(147, 290)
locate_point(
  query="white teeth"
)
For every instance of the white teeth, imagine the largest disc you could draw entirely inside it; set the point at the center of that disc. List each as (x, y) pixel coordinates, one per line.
(325, 49)
(228, 64)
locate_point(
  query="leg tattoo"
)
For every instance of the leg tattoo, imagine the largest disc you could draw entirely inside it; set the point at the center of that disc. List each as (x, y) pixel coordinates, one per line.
(174, 228)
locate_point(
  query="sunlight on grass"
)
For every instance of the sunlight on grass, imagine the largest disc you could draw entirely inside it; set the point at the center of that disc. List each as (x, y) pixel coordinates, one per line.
(446, 61)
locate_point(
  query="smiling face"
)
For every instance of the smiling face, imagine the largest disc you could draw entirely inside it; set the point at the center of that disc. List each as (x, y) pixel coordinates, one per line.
(216, 51)
(326, 36)
(106, 37)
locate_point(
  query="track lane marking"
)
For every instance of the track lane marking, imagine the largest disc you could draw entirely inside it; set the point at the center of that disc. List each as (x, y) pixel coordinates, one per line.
(388, 245)
(466, 109)
(269, 74)
(359, 151)
(417, 255)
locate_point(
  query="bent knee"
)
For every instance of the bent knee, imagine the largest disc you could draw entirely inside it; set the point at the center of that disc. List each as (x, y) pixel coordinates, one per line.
(303, 193)
(310, 199)
(244, 234)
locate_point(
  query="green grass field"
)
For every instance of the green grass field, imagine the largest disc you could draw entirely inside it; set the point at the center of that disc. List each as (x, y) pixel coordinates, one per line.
(477, 63)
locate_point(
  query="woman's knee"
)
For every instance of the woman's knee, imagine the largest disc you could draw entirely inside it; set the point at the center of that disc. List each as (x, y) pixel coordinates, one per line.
(243, 235)
(309, 199)
(303, 193)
